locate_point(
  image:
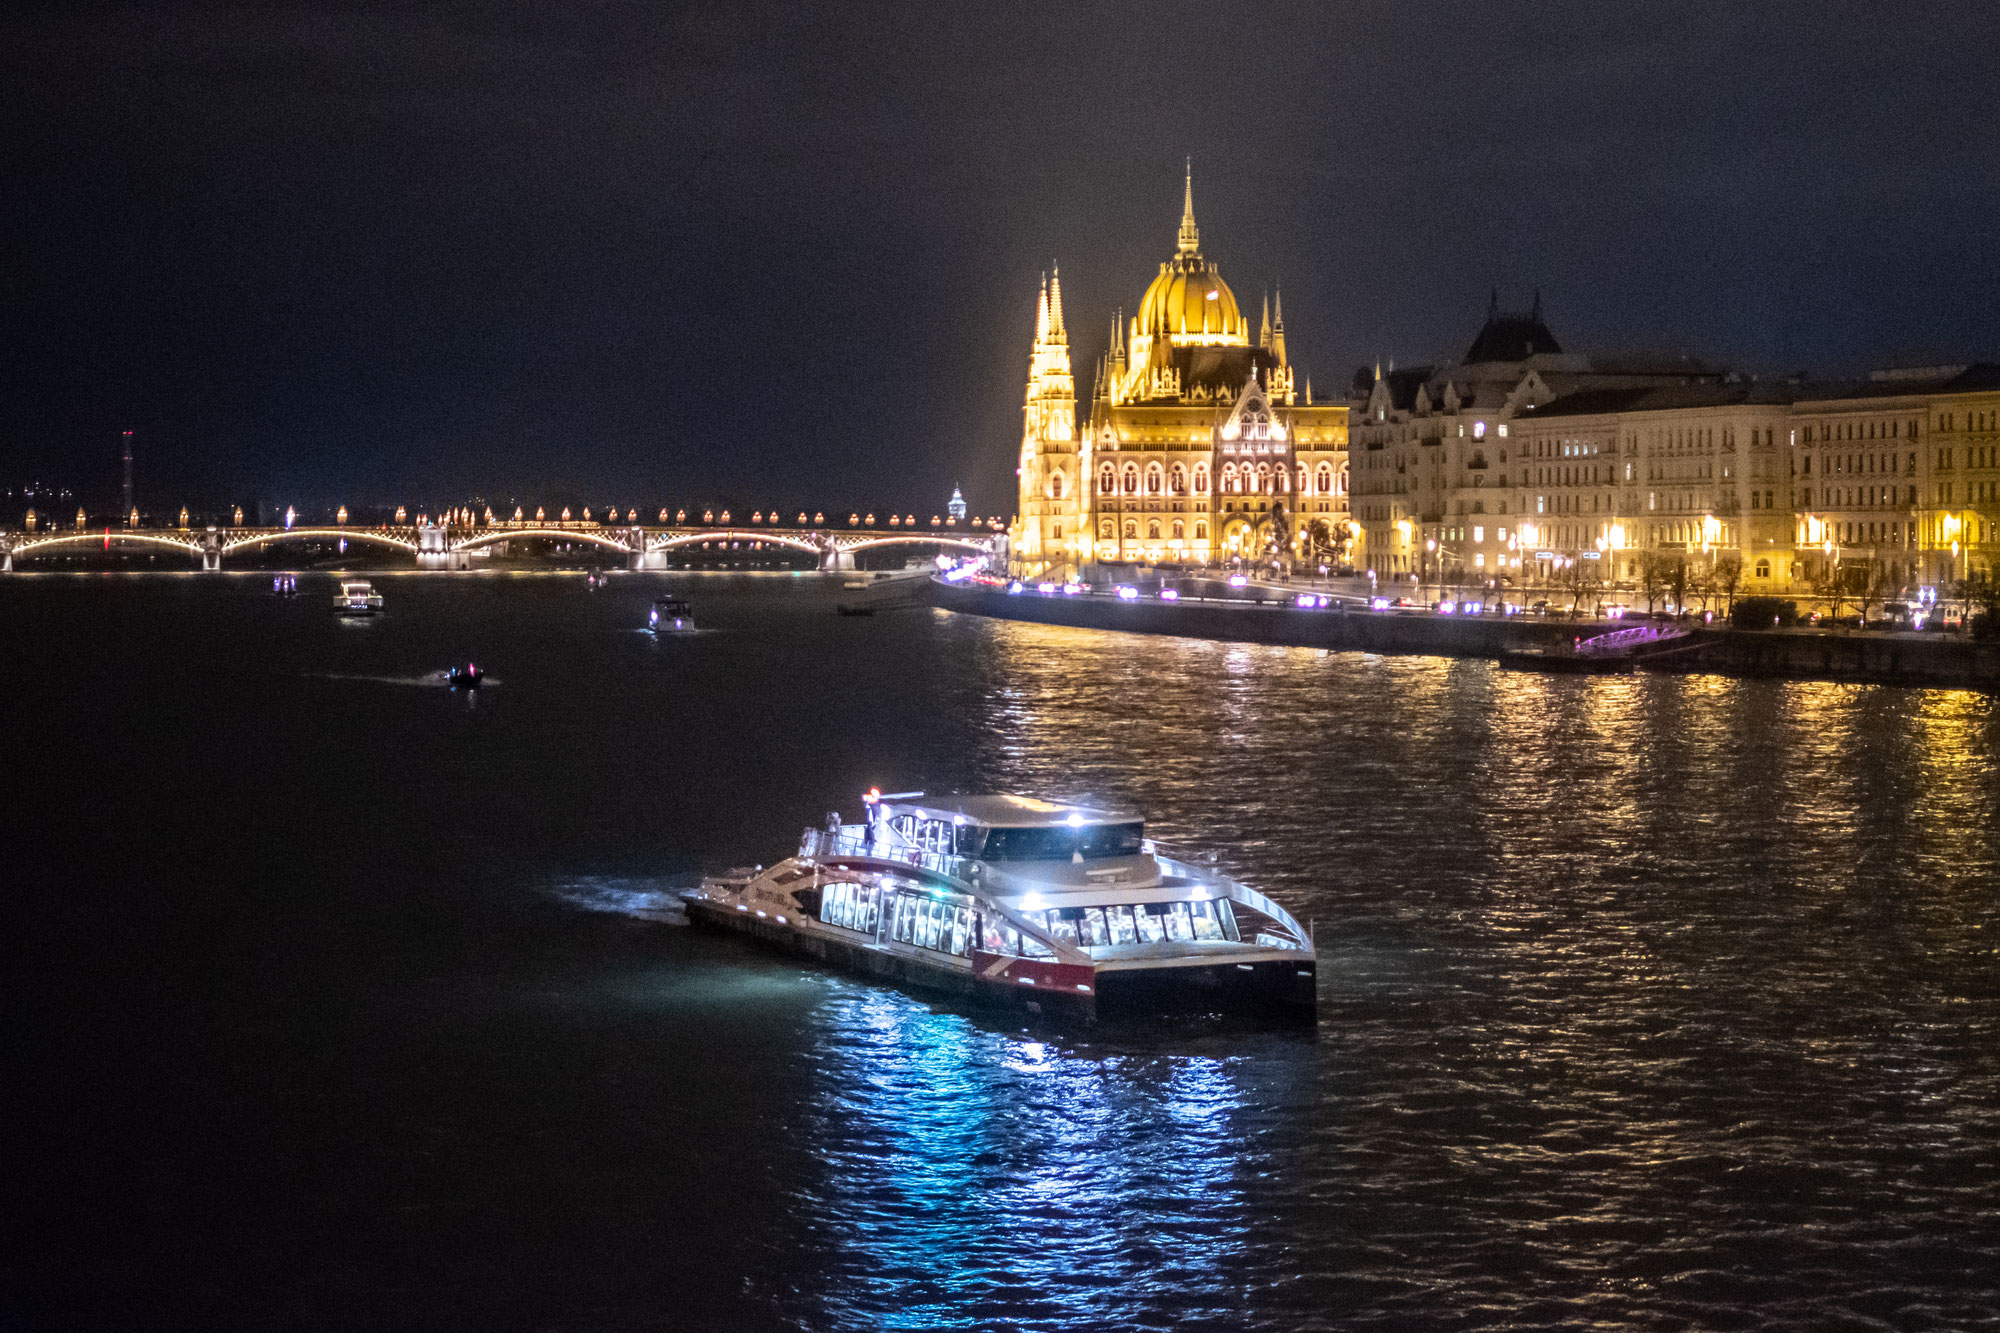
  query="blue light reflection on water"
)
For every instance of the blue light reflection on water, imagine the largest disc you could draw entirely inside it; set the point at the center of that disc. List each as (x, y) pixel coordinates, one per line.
(975, 1176)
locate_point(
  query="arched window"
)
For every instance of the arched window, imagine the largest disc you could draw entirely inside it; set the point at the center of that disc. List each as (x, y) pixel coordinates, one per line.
(1305, 482)
(1250, 481)
(1131, 480)
(1200, 531)
(1104, 533)
(1156, 480)
(1177, 480)
(1763, 569)
(1179, 529)
(1325, 480)
(1152, 529)
(1057, 534)
(1229, 478)
(1107, 480)
(1055, 485)
(1201, 479)
(1131, 530)
(1283, 480)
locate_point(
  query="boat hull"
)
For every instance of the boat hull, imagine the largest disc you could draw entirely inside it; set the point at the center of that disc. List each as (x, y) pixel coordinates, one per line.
(1283, 990)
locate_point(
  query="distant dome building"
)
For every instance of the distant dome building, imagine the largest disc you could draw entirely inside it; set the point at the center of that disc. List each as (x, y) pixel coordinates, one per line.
(1201, 444)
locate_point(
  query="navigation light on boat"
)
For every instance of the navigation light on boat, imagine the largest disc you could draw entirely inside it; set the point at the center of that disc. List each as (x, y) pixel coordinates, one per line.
(1076, 821)
(871, 796)
(1128, 594)
(1169, 595)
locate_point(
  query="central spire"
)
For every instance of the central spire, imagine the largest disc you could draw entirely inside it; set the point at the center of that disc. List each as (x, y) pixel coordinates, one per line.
(1190, 239)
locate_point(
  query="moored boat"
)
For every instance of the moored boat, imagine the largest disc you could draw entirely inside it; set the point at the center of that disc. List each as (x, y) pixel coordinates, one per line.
(1064, 910)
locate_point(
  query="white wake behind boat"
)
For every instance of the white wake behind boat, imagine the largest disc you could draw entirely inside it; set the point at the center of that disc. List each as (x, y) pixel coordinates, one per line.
(1063, 910)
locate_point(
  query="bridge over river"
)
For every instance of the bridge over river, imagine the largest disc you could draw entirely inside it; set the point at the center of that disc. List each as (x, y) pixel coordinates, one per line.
(452, 545)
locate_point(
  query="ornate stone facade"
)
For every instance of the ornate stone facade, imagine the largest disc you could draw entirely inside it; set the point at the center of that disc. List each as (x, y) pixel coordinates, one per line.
(1202, 446)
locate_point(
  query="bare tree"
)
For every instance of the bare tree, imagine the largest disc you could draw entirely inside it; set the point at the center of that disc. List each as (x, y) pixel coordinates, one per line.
(1729, 577)
(1652, 577)
(1677, 583)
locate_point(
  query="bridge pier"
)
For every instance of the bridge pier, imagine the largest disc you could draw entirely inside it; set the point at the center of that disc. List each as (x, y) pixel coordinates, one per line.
(210, 551)
(6, 559)
(836, 559)
(434, 550)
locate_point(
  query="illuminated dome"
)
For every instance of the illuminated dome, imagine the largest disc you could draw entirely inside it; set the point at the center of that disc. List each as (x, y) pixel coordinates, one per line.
(1189, 303)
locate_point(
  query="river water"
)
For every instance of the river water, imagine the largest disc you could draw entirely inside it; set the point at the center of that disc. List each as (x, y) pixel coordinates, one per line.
(340, 1001)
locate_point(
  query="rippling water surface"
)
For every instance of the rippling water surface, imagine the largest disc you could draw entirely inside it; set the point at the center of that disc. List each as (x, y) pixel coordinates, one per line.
(340, 1001)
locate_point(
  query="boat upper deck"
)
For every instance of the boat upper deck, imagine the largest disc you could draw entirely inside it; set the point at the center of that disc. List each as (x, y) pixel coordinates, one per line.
(1004, 812)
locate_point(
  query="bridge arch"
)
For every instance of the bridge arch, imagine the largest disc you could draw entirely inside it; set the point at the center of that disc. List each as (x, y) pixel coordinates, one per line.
(351, 534)
(33, 544)
(917, 538)
(555, 534)
(731, 534)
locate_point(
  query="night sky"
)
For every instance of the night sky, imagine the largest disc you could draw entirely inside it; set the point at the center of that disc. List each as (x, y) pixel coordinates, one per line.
(650, 254)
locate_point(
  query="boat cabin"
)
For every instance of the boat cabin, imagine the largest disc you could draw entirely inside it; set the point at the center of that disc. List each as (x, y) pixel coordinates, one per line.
(1001, 829)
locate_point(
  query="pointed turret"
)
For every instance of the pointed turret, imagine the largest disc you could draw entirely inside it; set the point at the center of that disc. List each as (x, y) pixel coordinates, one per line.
(1264, 334)
(1277, 339)
(1042, 313)
(1190, 237)
(1056, 329)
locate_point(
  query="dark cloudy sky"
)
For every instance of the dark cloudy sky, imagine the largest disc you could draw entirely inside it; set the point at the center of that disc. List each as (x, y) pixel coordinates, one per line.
(654, 253)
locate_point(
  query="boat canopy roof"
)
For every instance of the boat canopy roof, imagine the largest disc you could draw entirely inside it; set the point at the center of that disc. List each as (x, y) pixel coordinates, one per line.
(1006, 811)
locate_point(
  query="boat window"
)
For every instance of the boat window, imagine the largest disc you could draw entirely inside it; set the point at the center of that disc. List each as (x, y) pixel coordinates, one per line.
(1146, 916)
(1092, 929)
(961, 930)
(1176, 919)
(830, 905)
(1207, 924)
(1059, 844)
(1063, 927)
(1119, 919)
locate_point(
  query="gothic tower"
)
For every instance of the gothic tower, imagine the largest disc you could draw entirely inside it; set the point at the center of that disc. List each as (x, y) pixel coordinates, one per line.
(1053, 461)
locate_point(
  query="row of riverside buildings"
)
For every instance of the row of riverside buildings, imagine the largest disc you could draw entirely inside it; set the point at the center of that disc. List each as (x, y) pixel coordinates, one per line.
(1202, 443)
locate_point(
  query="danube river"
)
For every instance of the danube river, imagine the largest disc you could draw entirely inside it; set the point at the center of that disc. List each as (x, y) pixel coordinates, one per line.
(339, 1001)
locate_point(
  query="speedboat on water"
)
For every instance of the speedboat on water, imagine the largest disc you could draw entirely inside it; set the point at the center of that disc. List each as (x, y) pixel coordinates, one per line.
(670, 615)
(467, 677)
(1064, 910)
(357, 597)
(285, 585)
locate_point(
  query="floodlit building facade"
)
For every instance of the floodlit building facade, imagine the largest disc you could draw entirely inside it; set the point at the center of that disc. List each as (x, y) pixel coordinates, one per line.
(1202, 442)
(1443, 481)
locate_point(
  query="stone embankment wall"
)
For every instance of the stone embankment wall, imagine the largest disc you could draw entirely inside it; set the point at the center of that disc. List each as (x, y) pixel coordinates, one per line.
(1934, 660)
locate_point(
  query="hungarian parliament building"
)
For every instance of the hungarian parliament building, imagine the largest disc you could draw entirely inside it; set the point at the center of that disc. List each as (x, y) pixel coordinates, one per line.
(1203, 445)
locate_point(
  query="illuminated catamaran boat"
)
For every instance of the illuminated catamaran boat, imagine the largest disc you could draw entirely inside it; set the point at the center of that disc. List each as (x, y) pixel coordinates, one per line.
(1060, 909)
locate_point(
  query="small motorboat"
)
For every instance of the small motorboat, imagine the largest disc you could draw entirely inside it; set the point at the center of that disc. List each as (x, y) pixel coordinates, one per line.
(285, 585)
(596, 579)
(467, 677)
(670, 615)
(357, 597)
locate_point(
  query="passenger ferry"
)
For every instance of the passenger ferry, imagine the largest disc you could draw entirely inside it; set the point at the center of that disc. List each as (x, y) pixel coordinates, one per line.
(357, 597)
(1064, 910)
